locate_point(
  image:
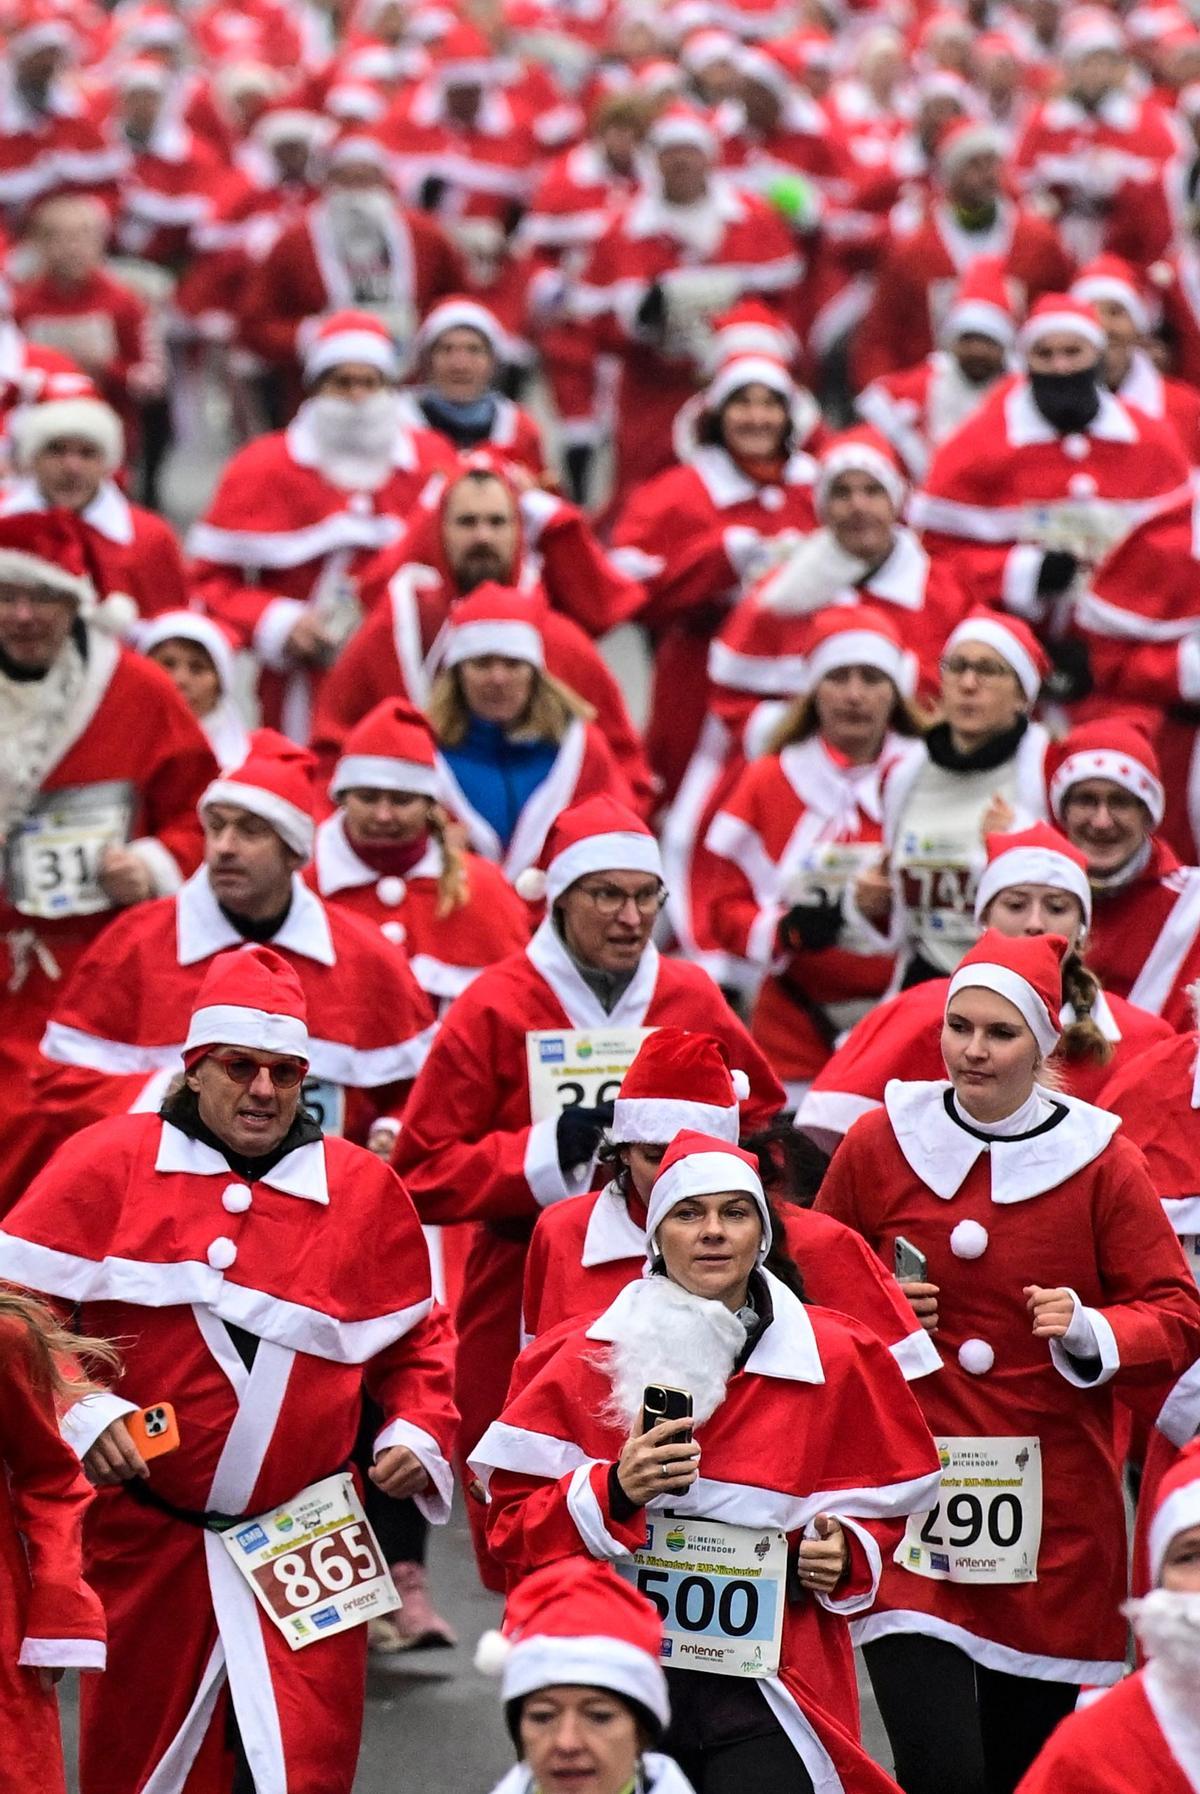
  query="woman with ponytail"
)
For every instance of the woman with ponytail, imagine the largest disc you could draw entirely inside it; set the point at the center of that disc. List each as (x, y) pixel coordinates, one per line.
(50, 1620)
(1034, 883)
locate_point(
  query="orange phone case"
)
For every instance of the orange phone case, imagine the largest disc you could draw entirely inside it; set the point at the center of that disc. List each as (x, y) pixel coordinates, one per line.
(154, 1431)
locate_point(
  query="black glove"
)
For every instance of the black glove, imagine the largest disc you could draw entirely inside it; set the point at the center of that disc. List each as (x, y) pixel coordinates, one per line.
(652, 312)
(432, 192)
(1070, 670)
(579, 1132)
(812, 924)
(1056, 572)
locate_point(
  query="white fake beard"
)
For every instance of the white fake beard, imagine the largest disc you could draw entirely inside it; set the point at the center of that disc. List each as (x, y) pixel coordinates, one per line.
(355, 438)
(698, 227)
(1167, 1624)
(670, 1336)
(361, 220)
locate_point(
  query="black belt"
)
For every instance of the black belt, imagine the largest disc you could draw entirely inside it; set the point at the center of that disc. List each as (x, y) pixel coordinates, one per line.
(207, 1520)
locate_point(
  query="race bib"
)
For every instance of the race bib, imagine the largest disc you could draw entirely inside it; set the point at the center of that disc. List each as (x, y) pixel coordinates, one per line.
(719, 1590)
(578, 1067)
(830, 867)
(987, 1525)
(315, 1565)
(53, 855)
(941, 898)
(327, 1102)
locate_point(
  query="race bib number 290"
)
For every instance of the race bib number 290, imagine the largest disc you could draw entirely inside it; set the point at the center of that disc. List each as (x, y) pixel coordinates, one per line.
(987, 1525)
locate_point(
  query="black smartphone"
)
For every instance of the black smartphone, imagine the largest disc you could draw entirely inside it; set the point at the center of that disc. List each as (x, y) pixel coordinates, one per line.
(662, 1403)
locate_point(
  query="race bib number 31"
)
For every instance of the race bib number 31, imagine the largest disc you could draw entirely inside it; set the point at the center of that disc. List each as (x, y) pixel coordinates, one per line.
(54, 855)
(987, 1525)
(570, 1067)
(314, 1565)
(719, 1590)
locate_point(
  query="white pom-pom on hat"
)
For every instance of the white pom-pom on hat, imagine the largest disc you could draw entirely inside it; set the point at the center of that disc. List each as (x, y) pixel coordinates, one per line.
(969, 1240)
(492, 1653)
(530, 884)
(116, 614)
(976, 1357)
(741, 1084)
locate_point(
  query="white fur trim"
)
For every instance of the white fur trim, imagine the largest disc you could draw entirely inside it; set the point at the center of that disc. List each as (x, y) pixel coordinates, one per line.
(1069, 322)
(62, 1653)
(166, 877)
(858, 457)
(459, 314)
(655, 1120)
(1033, 866)
(1099, 1333)
(857, 648)
(977, 317)
(747, 370)
(588, 1662)
(1009, 984)
(1116, 292)
(33, 426)
(228, 1024)
(379, 772)
(992, 632)
(586, 1513)
(366, 346)
(18, 568)
(602, 853)
(436, 1501)
(916, 1355)
(504, 636)
(190, 626)
(547, 1181)
(1076, 1670)
(293, 826)
(86, 1419)
(1120, 769)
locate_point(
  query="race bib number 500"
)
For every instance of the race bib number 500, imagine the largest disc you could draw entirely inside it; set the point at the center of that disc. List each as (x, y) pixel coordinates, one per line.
(987, 1525)
(719, 1590)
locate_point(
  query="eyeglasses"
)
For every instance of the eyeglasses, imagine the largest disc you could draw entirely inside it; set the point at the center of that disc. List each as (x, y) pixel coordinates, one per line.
(610, 900)
(1117, 803)
(242, 1069)
(988, 672)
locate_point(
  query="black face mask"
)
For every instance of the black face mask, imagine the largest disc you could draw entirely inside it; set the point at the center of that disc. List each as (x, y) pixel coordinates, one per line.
(1067, 401)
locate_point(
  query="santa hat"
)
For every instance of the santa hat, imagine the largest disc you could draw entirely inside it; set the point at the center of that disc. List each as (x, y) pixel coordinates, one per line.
(460, 313)
(495, 619)
(358, 146)
(860, 450)
(698, 1164)
(1176, 1506)
(143, 75)
(274, 781)
(981, 305)
(767, 67)
(465, 58)
(1027, 972)
(597, 835)
(190, 626)
(1034, 856)
(350, 336)
(752, 328)
(68, 405)
(39, 28)
(678, 1080)
(704, 47)
(1110, 278)
(392, 748)
(857, 637)
(355, 102)
(683, 125)
(1089, 29)
(577, 1623)
(1059, 311)
(1116, 751)
(745, 370)
(966, 138)
(1011, 639)
(291, 124)
(249, 998)
(47, 548)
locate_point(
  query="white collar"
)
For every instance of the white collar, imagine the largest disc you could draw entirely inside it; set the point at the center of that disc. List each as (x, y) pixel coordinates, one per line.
(612, 1233)
(941, 1153)
(583, 1008)
(201, 930)
(1143, 385)
(834, 792)
(1026, 425)
(726, 484)
(902, 578)
(108, 514)
(340, 869)
(786, 1349)
(301, 1173)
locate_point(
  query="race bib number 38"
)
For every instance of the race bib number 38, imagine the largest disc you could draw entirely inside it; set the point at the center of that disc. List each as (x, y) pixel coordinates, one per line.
(719, 1590)
(314, 1565)
(987, 1525)
(570, 1067)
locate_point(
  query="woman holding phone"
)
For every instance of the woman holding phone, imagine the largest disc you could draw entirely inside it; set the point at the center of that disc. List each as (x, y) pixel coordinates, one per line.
(1054, 1281)
(803, 1454)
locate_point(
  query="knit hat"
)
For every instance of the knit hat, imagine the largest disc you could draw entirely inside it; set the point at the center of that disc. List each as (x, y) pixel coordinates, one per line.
(68, 405)
(1011, 639)
(274, 781)
(682, 125)
(1060, 311)
(965, 138)
(1116, 751)
(1176, 1506)
(1034, 856)
(698, 1164)
(495, 619)
(860, 450)
(1026, 971)
(459, 313)
(678, 1080)
(392, 748)
(1111, 278)
(250, 997)
(981, 306)
(858, 637)
(577, 1623)
(190, 626)
(350, 336)
(597, 835)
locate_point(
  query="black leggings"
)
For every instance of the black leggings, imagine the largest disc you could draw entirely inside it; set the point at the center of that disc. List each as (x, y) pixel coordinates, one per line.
(955, 1727)
(763, 1765)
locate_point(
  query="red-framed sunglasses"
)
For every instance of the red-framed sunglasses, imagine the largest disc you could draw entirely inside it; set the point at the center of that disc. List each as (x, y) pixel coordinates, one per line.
(242, 1069)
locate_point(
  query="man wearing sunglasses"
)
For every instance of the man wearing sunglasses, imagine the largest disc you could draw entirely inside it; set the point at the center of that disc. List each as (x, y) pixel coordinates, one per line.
(261, 1277)
(473, 1149)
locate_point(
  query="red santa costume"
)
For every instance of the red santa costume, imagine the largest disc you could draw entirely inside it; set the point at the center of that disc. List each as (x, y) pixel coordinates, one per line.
(315, 1262)
(917, 408)
(100, 750)
(511, 432)
(1050, 1193)
(132, 549)
(1109, 279)
(798, 826)
(904, 1034)
(393, 749)
(49, 1618)
(168, 179)
(698, 259)
(44, 151)
(1146, 1727)
(24, 368)
(697, 533)
(815, 1419)
(112, 1043)
(1145, 939)
(920, 270)
(223, 725)
(585, 1250)
(480, 1144)
(300, 511)
(1007, 487)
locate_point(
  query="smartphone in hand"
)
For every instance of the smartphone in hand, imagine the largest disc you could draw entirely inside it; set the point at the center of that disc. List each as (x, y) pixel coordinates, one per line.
(908, 1262)
(154, 1430)
(662, 1403)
